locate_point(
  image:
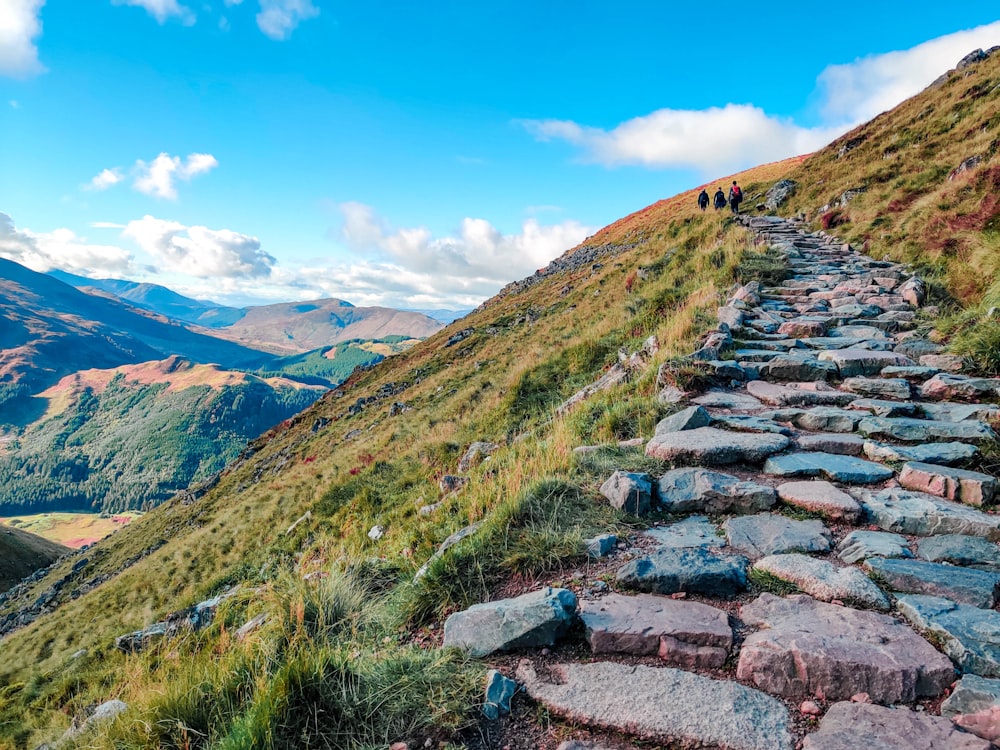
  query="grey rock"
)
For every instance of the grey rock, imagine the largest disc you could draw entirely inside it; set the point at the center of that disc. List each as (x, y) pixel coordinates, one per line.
(474, 453)
(915, 348)
(601, 545)
(499, 691)
(855, 362)
(663, 704)
(686, 419)
(825, 581)
(946, 362)
(451, 483)
(925, 430)
(746, 423)
(538, 618)
(699, 490)
(694, 531)
(959, 549)
(629, 491)
(898, 388)
(727, 400)
(805, 647)
(972, 694)
(839, 443)
(945, 386)
(447, 544)
(963, 585)
(694, 570)
(789, 367)
(883, 408)
(780, 192)
(933, 453)
(820, 497)
(860, 545)
(949, 411)
(920, 514)
(767, 534)
(969, 635)
(714, 447)
(850, 726)
(913, 374)
(787, 395)
(970, 487)
(686, 634)
(820, 418)
(837, 468)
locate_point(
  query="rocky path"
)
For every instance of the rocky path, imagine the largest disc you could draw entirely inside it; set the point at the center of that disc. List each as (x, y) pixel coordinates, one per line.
(827, 473)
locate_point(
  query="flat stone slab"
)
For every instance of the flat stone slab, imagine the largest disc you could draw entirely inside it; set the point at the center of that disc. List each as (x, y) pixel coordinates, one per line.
(699, 490)
(863, 726)
(787, 395)
(686, 634)
(711, 446)
(944, 454)
(914, 374)
(970, 487)
(767, 534)
(882, 408)
(694, 531)
(727, 400)
(897, 388)
(661, 703)
(747, 423)
(920, 514)
(825, 581)
(817, 496)
(949, 411)
(925, 430)
(979, 588)
(818, 418)
(969, 635)
(959, 549)
(860, 545)
(538, 618)
(838, 468)
(693, 570)
(809, 648)
(945, 386)
(797, 367)
(865, 362)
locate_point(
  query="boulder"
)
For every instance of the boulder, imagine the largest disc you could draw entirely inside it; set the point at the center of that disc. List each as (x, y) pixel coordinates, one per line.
(686, 419)
(702, 491)
(476, 452)
(979, 588)
(949, 411)
(823, 580)
(601, 545)
(664, 704)
(851, 726)
(694, 570)
(629, 491)
(727, 400)
(538, 618)
(882, 408)
(970, 487)
(767, 534)
(920, 514)
(709, 446)
(778, 193)
(795, 368)
(949, 387)
(969, 635)
(974, 705)
(913, 374)
(820, 497)
(686, 634)
(809, 648)
(860, 545)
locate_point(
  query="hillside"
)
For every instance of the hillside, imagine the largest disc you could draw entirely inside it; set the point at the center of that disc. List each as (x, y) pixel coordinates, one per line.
(131, 437)
(333, 640)
(21, 554)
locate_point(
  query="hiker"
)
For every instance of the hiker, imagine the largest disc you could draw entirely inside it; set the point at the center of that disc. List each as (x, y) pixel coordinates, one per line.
(720, 200)
(735, 197)
(703, 199)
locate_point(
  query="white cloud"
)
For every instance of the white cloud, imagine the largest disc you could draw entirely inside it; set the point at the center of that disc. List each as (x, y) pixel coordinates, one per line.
(62, 249)
(200, 251)
(161, 10)
(19, 26)
(278, 18)
(105, 179)
(735, 136)
(858, 91)
(158, 177)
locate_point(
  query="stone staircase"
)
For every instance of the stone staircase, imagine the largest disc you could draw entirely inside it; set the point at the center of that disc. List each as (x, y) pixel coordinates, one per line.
(833, 573)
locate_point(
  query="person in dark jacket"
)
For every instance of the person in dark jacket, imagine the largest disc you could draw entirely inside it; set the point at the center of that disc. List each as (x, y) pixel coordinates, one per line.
(703, 199)
(720, 200)
(735, 197)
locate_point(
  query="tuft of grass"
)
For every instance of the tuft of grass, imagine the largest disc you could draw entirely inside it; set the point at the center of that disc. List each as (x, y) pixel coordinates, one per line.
(761, 581)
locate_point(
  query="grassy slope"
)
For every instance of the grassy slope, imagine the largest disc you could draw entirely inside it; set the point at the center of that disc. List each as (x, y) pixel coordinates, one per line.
(22, 553)
(353, 466)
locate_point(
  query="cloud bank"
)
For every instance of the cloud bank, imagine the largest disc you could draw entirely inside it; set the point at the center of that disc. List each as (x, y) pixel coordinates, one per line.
(20, 24)
(736, 136)
(61, 249)
(159, 177)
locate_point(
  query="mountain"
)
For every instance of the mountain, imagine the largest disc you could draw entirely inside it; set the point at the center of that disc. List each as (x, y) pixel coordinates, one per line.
(296, 327)
(21, 554)
(158, 299)
(51, 330)
(318, 533)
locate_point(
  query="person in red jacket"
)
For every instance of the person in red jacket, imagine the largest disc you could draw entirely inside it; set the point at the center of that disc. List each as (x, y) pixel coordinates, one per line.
(735, 197)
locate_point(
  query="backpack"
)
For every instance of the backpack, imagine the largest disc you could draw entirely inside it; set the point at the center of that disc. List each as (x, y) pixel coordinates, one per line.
(737, 193)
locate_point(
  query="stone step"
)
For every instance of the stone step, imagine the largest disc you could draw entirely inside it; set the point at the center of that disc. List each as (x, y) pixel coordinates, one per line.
(969, 635)
(920, 514)
(853, 726)
(970, 487)
(825, 581)
(837, 468)
(979, 588)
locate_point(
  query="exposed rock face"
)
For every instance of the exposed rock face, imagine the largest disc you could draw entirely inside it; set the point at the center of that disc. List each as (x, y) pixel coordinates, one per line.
(806, 648)
(779, 193)
(662, 703)
(686, 634)
(847, 725)
(535, 619)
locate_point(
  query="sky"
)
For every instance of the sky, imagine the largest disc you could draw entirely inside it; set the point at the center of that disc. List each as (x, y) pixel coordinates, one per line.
(415, 155)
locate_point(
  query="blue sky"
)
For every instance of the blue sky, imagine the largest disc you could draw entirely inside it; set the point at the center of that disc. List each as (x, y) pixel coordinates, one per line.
(411, 154)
